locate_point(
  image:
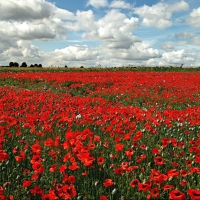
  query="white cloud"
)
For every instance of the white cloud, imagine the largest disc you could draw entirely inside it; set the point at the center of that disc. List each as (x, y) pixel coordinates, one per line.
(33, 19)
(31, 31)
(63, 14)
(185, 35)
(97, 3)
(75, 53)
(85, 21)
(120, 4)
(194, 19)
(159, 15)
(179, 6)
(115, 30)
(25, 10)
(138, 51)
(194, 39)
(23, 51)
(178, 57)
(171, 46)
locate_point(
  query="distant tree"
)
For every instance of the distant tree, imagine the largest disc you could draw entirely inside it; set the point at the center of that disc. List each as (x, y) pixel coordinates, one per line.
(11, 64)
(40, 65)
(15, 64)
(36, 65)
(23, 64)
(31, 65)
(81, 67)
(66, 66)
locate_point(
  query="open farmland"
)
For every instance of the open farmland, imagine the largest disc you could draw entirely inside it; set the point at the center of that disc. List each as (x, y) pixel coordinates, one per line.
(100, 135)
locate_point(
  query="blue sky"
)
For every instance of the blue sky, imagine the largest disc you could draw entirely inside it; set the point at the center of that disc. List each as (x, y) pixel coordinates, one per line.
(100, 32)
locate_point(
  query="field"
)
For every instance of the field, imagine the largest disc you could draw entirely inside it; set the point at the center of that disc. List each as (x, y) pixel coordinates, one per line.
(106, 135)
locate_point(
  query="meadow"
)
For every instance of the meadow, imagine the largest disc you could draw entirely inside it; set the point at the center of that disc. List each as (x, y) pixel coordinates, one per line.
(99, 135)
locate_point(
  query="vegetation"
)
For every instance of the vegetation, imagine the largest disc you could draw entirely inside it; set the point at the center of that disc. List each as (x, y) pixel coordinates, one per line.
(108, 135)
(39, 68)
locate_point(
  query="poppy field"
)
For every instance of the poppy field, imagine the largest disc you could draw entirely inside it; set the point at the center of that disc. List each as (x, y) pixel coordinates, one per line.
(100, 135)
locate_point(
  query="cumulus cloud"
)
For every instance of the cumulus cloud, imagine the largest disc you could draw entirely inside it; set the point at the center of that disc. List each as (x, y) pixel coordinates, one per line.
(31, 31)
(115, 30)
(63, 14)
(185, 35)
(171, 46)
(138, 51)
(22, 10)
(75, 53)
(97, 3)
(178, 57)
(193, 38)
(84, 20)
(159, 15)
(22, 51)
(35, 19)
(194, 18)
(120, 4)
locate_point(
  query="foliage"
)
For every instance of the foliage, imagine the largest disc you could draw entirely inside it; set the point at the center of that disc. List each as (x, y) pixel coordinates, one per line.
(99, 135)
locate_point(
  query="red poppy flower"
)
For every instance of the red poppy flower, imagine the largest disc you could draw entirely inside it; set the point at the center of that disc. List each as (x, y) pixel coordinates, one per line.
(26, 183)
(103, 198)
(165, 142)
(129, 153)
(172, 173)
(18, 158)
(143, 147)
(53, 168)
(49, 142)
(155, 193)
(108, 183)
(100, 160)
(194, 194)
(3, 155)
(36, 190)
(177, 195)
(118, 171)
(143, 187)
(133, 183)
(74, 166)
(38, 167)
(168, 187)
(84, 173)
(159, 160)
(119, 147)
(72, 179)
(175, 164)
(62, 168)
(35, 177)
(183, 173)
(188, 163)
(155, 151)
(183, 182)
(36, 148)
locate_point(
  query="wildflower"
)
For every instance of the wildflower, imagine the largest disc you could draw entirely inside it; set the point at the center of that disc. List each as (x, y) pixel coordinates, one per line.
(100, 160)
(155, 193)
(159, 160)
(194, 194)
(177, 195)
(26, 183)
(108, 183)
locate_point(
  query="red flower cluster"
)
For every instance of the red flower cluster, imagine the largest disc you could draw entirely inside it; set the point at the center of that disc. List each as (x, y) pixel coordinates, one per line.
(96, 135)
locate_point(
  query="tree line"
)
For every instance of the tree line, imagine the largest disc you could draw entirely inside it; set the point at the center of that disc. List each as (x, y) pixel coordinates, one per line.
(15, 64)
